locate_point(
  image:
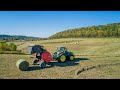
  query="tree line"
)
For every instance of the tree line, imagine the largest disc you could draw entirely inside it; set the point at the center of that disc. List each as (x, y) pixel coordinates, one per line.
(108, 30)
(15, 37)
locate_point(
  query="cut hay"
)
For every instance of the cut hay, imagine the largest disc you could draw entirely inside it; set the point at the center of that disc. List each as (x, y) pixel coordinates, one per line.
(22, 65)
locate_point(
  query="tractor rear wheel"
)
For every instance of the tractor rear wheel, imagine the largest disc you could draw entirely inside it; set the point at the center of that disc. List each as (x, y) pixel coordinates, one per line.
(71, 58)
(62, 58)
(42, 64)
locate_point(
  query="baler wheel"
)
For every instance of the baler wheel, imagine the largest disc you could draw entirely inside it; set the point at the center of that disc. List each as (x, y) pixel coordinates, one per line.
(42, 64)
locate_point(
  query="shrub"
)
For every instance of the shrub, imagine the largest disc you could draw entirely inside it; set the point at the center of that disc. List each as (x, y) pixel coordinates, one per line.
(12, 47)
(5, 47)
(1, 51)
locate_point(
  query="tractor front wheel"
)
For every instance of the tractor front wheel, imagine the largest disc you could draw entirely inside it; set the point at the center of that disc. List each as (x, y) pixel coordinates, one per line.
(62, 58)
(71, 58)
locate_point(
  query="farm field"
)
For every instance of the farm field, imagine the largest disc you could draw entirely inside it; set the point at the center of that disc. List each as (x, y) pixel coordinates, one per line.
(95, 58)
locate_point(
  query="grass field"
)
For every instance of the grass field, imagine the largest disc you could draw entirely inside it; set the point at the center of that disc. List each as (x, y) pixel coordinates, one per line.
(101, 53)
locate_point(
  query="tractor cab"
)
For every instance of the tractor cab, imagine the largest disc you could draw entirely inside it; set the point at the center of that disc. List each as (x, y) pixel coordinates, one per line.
(61, 49)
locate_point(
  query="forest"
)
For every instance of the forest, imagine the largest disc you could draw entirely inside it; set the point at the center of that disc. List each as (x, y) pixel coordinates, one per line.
(108, 30)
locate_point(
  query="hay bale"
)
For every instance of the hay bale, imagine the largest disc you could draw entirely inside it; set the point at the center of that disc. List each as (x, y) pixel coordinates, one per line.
(22, 65)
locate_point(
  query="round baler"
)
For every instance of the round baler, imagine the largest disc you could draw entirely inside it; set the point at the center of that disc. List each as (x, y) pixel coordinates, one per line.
(42, 58)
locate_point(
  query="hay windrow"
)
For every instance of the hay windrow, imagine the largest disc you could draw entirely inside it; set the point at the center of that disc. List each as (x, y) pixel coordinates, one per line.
(80, 70)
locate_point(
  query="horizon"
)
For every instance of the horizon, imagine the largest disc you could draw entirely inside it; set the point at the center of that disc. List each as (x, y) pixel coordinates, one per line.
(46, 23)
(18, 35)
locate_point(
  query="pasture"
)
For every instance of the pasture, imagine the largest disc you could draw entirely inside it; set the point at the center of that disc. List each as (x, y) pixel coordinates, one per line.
(95, 58)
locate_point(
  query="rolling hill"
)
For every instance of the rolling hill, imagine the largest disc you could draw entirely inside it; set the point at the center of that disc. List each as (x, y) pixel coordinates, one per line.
(108, 30)
(17, 37)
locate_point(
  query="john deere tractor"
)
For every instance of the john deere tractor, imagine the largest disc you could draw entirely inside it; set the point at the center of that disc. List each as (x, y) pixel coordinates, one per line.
(61, 54)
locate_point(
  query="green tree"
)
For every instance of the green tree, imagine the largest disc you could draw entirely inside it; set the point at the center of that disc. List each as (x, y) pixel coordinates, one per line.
(12, 47)
(4, 46)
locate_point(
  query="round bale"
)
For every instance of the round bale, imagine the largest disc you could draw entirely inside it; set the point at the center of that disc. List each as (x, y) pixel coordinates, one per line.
(22, 65)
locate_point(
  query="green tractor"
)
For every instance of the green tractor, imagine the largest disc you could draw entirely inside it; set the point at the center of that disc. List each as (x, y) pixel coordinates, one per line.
(61, 55)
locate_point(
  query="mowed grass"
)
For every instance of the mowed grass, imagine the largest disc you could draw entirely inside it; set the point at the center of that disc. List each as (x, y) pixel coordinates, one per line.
(88, 52)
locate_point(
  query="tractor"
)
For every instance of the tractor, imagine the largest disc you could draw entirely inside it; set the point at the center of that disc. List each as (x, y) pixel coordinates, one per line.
(42, 58)
(61, 54)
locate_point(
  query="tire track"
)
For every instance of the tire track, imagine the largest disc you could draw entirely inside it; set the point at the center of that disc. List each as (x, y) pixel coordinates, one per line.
(99, 55)
(80, 70)
(20, 44)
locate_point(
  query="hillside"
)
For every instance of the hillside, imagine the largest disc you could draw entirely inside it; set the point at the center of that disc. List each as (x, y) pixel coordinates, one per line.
(108, 30)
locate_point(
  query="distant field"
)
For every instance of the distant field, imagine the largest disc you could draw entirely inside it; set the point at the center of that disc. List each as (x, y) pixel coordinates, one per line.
(89, 52)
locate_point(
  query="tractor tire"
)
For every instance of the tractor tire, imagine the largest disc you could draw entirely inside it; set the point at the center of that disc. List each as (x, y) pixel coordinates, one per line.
(35, 62)
(71, 58)
(62, 58)
(42, 64)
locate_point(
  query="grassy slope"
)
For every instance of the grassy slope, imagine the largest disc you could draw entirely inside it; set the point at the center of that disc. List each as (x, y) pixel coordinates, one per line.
(96, 50)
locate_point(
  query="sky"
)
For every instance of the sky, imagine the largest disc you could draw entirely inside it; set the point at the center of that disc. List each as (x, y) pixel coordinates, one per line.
(46, 23)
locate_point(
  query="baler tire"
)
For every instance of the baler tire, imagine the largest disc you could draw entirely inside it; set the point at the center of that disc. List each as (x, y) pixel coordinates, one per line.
(42, 64)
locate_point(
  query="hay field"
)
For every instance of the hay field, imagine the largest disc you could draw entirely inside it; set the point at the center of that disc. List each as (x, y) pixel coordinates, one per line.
(96, 58)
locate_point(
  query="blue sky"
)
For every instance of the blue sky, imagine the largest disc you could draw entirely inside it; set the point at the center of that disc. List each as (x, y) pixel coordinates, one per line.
(46, 23)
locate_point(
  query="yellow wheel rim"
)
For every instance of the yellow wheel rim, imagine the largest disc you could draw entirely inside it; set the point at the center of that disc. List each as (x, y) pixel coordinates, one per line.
(62, 58)
(71, 57)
